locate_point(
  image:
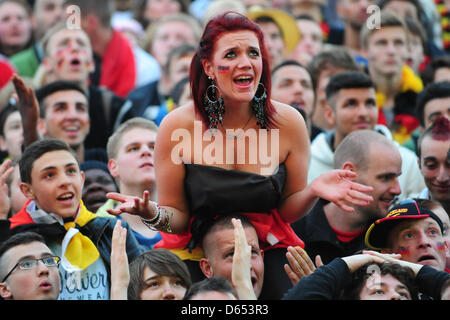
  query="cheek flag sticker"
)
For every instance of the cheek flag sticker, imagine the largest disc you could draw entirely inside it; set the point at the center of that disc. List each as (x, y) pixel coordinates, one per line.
(224, 69)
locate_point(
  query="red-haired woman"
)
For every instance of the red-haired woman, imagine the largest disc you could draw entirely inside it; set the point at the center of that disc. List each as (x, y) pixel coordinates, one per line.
(234, 150)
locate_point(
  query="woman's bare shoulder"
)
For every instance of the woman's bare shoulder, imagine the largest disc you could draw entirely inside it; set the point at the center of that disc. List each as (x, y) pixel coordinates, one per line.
(287, 115)
(181, 117)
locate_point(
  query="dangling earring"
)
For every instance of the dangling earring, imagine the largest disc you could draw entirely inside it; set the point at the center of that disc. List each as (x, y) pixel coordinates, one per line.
(258, 104)
(213, 106)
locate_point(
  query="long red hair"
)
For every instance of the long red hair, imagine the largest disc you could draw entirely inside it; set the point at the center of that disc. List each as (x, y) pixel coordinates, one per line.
(226, 23)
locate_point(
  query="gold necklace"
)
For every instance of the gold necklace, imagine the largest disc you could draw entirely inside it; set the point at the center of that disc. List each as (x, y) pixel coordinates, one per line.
(235, 136)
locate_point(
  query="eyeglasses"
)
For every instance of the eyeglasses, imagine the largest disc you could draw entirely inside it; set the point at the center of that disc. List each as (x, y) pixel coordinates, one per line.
(51, 261)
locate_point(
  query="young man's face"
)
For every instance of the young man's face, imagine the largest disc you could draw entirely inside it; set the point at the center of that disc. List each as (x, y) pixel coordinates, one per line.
(38, 283)
(168, 36)
(435, 167)
(159, 287)
(292, 85)
(97, 184)
(384, 168)
(69, 56)
(12, 138)
(435, 108)
(15, 25)
(220, 256)
(354, 109)
(354, 12)
(385, 287)
(445, 218)
(179, 68)
(56, 183)
(387, 51)
(46, 14)
(403, 8)
(66, 117)
(310, 43)
(274, 42)
(134, 162)
(419, 241)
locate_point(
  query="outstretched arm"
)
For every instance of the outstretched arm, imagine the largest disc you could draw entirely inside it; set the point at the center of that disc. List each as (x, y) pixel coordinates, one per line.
(335, 186)
(169, 173)
(299, 197)
(328, 281)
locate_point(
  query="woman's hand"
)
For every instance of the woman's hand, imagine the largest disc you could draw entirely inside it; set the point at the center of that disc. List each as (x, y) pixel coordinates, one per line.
(133, 205)
(336, 186)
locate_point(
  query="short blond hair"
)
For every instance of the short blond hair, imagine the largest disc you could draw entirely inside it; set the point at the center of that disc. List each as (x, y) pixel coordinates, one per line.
(387, 19)
(114, 140)
(150, 32)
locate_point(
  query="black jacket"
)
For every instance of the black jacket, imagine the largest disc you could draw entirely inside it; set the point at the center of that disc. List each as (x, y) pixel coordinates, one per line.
(320, 238)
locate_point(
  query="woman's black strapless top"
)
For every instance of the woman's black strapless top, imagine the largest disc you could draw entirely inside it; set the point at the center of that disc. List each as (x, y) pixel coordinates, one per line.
(211, 191)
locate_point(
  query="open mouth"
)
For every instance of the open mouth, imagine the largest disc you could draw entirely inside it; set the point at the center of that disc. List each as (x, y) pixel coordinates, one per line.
(75, 62)
(243, 80)
(66, 196)
(298, 104)
(45, 285)
(72, 129)
(425, 258)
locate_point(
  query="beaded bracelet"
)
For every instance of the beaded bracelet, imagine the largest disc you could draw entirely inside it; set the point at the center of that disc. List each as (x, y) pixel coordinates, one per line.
(152, 223)
(166, 227)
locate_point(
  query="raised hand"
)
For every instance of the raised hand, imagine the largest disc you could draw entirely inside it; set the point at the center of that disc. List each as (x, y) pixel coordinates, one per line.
(337, 186)
(241, 271)
(300, 264)
(5, 203)
(120, 272)
(29, 109)
(133, 205)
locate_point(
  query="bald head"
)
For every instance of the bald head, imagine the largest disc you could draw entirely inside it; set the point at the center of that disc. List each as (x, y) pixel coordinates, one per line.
(356, 148)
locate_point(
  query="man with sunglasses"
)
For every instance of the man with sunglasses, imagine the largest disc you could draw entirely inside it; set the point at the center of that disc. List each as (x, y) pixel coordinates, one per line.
(28, 269)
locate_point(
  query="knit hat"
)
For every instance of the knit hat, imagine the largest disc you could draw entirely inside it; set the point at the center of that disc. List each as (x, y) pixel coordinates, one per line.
(378, 233)
(94, 164)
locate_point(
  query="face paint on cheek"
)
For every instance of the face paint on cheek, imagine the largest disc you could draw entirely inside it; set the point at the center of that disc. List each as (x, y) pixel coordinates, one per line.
(404, 251)
(224, 69)
(59, 63)
(441, 246)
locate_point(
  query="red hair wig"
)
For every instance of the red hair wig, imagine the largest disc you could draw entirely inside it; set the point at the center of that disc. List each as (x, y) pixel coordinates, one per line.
(226, 23)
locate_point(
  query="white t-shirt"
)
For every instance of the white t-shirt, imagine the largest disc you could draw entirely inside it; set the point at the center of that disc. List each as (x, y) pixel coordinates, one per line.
(88, 284)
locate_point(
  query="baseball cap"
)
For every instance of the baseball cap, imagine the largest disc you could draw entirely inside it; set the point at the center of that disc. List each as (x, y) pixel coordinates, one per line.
(286, 23)
(378, 232)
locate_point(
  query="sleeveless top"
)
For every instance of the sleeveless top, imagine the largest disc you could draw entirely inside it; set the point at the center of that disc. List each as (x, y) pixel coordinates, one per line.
(212, 191)
(215, 191)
